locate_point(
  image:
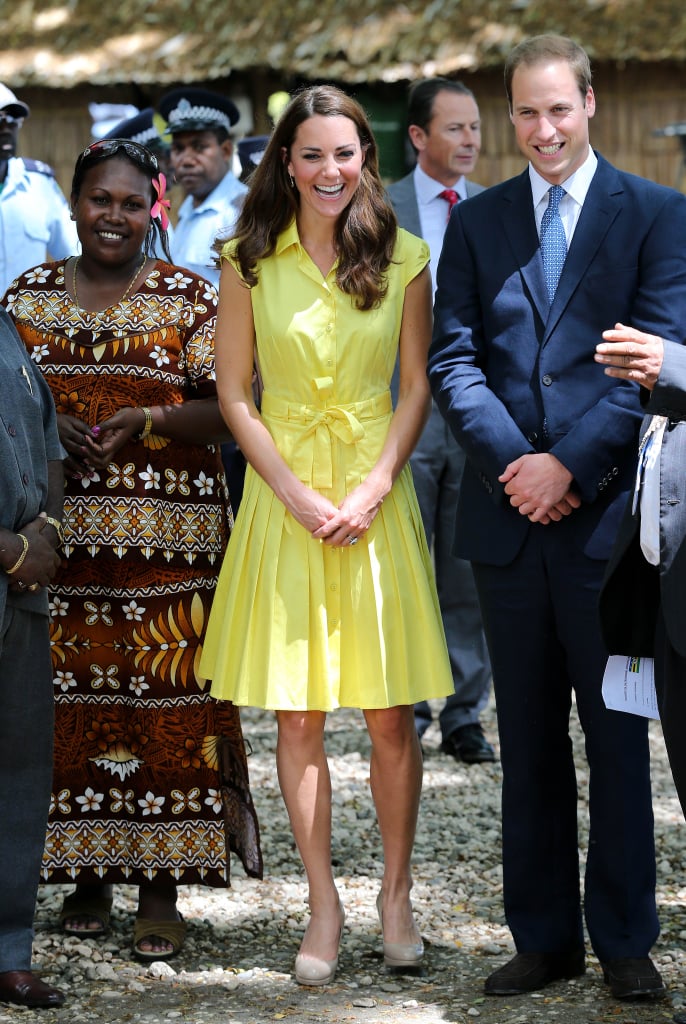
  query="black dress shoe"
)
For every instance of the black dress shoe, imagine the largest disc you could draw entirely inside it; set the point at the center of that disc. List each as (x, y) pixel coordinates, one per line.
(25, 989)
(527, 972)
(468, 744)
(633, 978)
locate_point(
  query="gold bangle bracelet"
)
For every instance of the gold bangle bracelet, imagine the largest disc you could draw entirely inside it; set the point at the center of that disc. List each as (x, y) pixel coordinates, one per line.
(57, 526)
(147, 426)
(20, 561)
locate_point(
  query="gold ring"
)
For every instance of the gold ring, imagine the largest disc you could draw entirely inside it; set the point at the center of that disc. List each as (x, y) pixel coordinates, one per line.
(34, 586)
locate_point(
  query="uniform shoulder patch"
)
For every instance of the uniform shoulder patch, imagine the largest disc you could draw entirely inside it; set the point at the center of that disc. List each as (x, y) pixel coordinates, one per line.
(39, 166)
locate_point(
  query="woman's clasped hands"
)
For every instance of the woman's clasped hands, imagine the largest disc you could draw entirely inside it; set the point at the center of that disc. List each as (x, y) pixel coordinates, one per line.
(92, 448)
(340, 526)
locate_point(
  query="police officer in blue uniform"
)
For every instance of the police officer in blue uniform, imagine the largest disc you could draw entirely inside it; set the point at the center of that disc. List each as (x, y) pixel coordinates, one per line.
(34, 215)
(200, 122)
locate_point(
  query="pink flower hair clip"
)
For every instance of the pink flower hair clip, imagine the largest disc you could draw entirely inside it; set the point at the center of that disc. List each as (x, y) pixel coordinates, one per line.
(158, 207)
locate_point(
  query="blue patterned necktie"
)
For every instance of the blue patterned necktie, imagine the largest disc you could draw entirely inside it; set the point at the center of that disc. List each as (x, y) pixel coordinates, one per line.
(553, 240)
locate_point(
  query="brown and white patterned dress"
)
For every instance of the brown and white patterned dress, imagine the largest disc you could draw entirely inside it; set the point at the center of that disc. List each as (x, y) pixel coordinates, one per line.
(136, 785)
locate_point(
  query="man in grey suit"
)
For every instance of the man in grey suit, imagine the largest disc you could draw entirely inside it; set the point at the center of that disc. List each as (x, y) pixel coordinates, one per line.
(32, 483)
(445, 131)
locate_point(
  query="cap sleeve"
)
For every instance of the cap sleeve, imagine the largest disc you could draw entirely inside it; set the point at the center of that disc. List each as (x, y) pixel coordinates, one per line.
(412, 255)
(229, 254)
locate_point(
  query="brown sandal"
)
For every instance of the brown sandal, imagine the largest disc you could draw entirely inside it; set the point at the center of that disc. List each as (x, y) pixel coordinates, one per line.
(76, 905)
(173, 932)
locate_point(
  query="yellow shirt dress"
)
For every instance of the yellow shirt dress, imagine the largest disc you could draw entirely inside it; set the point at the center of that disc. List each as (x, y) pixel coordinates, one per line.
(297, 624)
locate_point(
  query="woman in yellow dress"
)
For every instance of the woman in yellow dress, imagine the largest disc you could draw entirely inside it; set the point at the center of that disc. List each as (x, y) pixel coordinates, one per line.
(326, 595)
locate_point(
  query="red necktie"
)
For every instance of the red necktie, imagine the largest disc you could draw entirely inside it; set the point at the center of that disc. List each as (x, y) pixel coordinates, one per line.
(450, 196)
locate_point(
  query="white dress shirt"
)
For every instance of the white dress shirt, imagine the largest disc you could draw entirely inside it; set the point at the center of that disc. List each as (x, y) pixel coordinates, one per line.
(433, 212)
(576, 186)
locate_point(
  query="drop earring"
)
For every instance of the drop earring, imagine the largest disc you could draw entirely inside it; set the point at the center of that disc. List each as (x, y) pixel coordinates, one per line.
(292, 180)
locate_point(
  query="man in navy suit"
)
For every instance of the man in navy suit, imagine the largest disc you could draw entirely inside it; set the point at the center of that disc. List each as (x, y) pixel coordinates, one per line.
(445, 131)
(550, 446)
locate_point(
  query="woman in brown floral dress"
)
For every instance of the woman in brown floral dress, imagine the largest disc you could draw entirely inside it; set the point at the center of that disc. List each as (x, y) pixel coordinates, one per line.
(126, 344)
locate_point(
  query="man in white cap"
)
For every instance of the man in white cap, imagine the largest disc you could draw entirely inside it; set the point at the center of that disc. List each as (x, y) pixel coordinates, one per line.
(34, 215)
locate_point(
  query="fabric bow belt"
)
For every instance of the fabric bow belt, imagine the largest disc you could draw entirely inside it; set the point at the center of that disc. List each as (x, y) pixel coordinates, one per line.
(312, 456)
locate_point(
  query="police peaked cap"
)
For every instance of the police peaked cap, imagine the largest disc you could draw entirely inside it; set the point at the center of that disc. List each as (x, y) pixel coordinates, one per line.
(189, 109)
(251, 150)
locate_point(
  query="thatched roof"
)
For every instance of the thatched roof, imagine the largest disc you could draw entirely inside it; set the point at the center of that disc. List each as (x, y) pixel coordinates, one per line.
(62, 43)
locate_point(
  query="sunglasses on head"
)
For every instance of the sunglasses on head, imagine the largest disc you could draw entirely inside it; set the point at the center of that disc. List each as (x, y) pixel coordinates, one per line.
(10, 119)
(108, 147)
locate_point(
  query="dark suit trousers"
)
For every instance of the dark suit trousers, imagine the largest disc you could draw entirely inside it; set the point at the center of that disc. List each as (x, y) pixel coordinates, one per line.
(541, 621)
(670, 684)
(26, 731)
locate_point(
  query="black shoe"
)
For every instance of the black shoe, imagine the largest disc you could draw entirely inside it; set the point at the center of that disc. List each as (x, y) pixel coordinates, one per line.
(680, 1017)
(24, 989)
(633, 978)
(527, 972)
(468, 744)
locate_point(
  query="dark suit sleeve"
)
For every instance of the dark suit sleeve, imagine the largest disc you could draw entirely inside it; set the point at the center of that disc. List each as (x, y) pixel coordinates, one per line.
(458, 362)
(668, 397)
(633, 590)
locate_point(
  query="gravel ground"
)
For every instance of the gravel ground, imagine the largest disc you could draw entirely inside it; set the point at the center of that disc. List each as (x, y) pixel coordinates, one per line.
(236, 965)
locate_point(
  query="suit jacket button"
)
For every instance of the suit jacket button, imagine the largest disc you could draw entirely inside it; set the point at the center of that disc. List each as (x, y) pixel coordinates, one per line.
(547, 379)
(532, 438)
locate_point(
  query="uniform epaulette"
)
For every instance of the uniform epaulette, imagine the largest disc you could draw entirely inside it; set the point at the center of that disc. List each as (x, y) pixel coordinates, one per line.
(40, 166)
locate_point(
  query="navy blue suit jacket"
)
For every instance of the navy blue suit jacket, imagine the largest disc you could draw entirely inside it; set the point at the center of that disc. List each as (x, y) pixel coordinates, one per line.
(513, 375)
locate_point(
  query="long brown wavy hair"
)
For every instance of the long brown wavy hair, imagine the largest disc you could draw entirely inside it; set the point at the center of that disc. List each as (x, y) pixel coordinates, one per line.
(365, 231)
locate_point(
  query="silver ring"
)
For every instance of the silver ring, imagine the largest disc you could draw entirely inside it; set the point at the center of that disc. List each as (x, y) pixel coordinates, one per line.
(22, 586)
(353, 540)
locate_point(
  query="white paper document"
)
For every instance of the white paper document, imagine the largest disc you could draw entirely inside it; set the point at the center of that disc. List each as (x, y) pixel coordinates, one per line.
(629, 685)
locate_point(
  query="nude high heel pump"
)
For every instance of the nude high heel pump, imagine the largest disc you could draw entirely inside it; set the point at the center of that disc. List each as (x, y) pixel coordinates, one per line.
(399, 954)
(314, 970)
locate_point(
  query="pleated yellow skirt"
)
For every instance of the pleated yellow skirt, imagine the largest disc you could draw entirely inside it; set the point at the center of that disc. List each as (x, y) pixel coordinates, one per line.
(299, 625)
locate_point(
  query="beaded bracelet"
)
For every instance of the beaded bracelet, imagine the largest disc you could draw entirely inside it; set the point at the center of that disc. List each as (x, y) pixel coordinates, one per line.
(57, 526)
(147, 426)
(20, 561)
